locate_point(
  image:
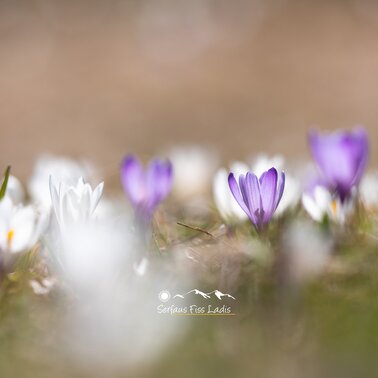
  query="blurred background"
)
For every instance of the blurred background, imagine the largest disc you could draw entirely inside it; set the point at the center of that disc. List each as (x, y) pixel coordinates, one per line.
(98, 79)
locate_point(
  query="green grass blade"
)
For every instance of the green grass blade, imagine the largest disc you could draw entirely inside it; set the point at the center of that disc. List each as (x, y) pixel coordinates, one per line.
(5, 182)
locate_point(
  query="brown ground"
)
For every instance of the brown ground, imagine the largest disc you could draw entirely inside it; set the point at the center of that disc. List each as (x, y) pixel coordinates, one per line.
(99, 79)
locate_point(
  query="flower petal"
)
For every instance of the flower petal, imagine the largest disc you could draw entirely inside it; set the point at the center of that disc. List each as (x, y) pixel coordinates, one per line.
(133, 180)
(23, 224)
(96, 196)
(362, 147)
(55, 201)
(268, 190)
(341, 157)
(312, 207)
(254, 197)
(237, 193)
(159, 182)
(225, 202)
(281, 180)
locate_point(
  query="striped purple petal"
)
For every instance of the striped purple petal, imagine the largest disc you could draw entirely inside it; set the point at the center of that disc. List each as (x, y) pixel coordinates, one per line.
(268, 183)
(280, 188)
(254, 197)
(237, 193)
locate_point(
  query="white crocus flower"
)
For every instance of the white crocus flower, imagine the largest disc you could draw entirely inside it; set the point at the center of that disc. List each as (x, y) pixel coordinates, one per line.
(74, 205)
(62, 168)
(369, 190)
(193, 168)
(321, 203)
(225, 202)
(14, 191)
(263, 162)
(113, 298)
(20, 227)
(291, 195)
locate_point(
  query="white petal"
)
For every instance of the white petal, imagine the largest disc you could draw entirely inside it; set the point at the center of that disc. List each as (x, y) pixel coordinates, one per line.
(3, 234)
(369, 190)
(63, 169)
(194, 167)
(15, 191)
(323, 198)
(55, 200)
(227, 206)
(96, 196)
(312, 207)
(22, 224)
(238, 168)
(6, 209)
(262, 163)
(291, 195)
(41, 226)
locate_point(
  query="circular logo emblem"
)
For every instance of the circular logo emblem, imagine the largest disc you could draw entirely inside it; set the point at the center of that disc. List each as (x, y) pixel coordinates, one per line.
(164, 296)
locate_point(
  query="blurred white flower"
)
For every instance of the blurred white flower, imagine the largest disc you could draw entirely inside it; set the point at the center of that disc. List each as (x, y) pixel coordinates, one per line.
(306, 251)
(14, 190)
(320, 203)
(193, 169)
(114, 321)
(369, 190)
(92, 254)
(113, 208)
(62, 168)
(74, 205)
(225, 202)
(20, 227)
(263, 163)
(291, 195)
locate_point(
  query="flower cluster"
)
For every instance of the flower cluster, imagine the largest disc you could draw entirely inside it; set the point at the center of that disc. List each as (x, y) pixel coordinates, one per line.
(62, 200)
(111, 255)
(340, 158)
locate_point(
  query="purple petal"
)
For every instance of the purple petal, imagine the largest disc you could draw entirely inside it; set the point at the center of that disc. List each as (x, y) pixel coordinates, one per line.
(133, 180)
(254, 197)
(268, 189)
(159, 182)
(362, 153)
(280, 188)
(341, 157)
(243, 190)
(331, 156)
(236, 192)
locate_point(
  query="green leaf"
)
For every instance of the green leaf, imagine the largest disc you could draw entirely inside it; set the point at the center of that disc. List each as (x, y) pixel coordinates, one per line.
(5, 182)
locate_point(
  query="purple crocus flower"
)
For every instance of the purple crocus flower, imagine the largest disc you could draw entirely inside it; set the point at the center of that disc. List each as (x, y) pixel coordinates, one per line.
(258, 197)
(146, 188)
(341, 158)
